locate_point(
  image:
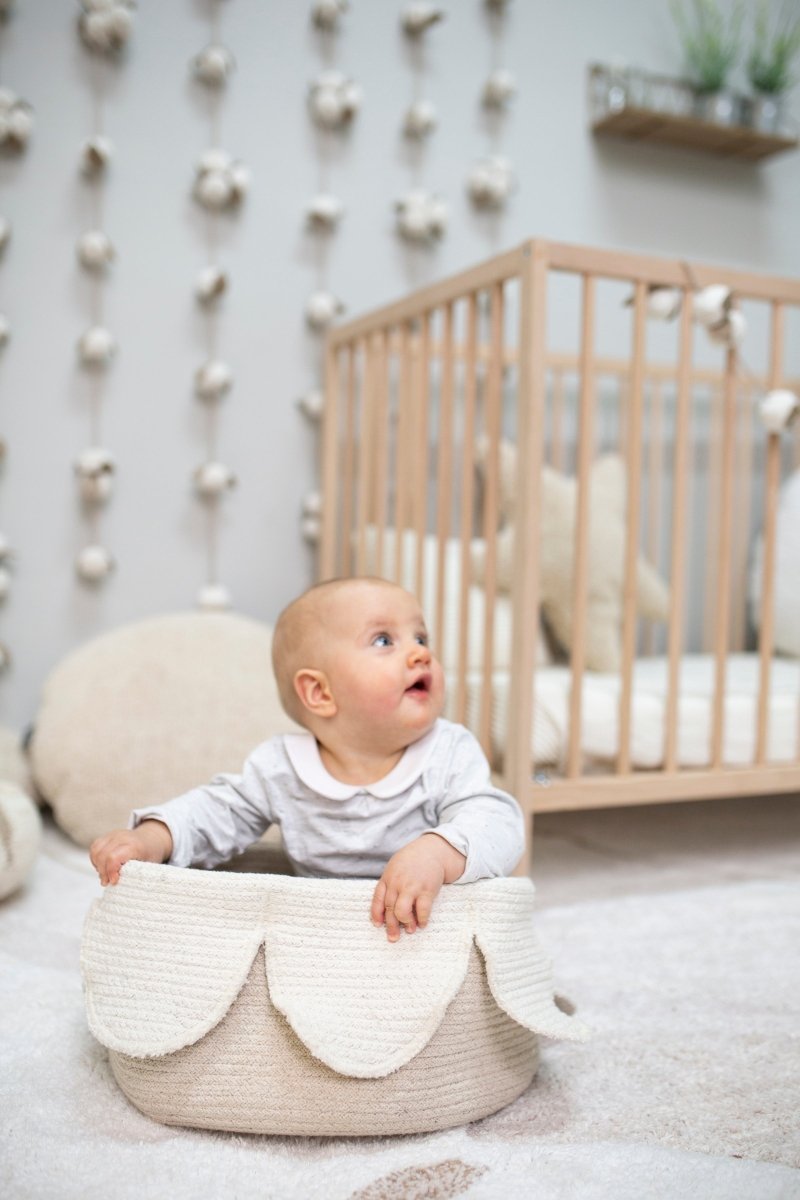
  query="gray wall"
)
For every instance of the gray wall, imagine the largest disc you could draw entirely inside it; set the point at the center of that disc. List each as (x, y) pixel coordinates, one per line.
(571, 188)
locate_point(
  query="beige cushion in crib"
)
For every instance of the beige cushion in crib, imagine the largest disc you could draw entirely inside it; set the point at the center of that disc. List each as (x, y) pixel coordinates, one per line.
(606, 555)
(786, 603)
(249, 1002)
(147, 711)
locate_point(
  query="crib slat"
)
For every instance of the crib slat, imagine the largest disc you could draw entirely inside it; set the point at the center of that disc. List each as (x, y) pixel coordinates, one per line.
(724, 557)
(580, 580)
(557, 451)
(419, 472)
(493, 421)
(381, 434)
(348, 466)
(365, 456)
(444, 473)
(771, 486)
(402, 452)
(525, 595)
(655, 445)
(330, 457)
(467, 501)
(632, 505)
(677, 572)
(744, 475)
(714, 443)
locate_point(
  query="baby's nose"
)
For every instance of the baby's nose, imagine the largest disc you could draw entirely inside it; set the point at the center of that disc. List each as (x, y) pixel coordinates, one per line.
(420, 653)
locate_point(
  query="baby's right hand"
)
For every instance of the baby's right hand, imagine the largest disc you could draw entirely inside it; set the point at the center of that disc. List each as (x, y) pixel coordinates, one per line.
(151, 842)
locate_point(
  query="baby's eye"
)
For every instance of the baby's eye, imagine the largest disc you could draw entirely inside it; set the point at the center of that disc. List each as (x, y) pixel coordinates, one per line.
(422, 638)
(381, 639)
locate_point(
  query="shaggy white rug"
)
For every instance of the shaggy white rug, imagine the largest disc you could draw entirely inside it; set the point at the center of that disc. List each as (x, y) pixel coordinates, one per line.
(689, 1086)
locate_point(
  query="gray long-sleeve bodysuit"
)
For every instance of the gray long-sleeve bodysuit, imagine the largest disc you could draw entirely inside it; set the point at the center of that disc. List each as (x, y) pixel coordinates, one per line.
(331, 829)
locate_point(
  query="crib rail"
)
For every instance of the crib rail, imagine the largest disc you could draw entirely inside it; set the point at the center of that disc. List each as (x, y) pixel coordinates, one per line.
(424, 398)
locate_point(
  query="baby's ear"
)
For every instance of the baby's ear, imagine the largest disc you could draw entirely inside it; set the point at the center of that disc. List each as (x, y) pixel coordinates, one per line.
(314, 692)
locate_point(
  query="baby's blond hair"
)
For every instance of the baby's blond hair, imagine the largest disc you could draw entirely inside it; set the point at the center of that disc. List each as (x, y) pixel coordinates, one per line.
(296, 640)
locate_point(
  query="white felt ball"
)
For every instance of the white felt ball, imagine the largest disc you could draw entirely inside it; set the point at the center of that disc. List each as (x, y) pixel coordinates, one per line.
(213, 380)
(311, 529)
(663, 303)
(211, 283)
(325, 211)
(709, 304)
(239, 176)
(326, 14)
(94, 563)
(5, 582)
(322, 308)
(5, 329)
(419, 16)
(312, 404)
(213, 478)
(94, 249)
(312, 505)
(213, 65)
(730, 329)
(326, 107)
(420, 119)
(490, 182)
(16, 125)
(499, 89)
(95, 470)
(213, 597)
(778, 408)
(97, 347)
(96, 154)
(213, 189)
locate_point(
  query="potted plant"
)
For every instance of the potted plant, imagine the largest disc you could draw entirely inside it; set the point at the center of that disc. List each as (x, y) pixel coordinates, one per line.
(711, 41)
(770, 66)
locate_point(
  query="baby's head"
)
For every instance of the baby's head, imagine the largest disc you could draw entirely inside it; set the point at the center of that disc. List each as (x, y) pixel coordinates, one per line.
(351, 658)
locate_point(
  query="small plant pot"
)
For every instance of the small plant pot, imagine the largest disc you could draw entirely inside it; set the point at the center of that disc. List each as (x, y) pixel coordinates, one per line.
(764, 112)
(722, 108)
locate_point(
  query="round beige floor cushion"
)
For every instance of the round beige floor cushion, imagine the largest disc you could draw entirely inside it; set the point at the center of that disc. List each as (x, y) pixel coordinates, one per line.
(148, 711)
(20, 834)
(268, 1004)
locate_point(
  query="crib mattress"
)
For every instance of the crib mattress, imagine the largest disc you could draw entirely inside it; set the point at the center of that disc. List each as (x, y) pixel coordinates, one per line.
(600, 712)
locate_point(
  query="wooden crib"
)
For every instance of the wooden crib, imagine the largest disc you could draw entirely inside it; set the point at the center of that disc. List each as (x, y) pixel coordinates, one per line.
(552, 349)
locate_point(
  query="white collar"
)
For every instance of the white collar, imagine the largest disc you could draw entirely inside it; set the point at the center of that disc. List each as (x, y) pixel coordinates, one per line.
(304, 756)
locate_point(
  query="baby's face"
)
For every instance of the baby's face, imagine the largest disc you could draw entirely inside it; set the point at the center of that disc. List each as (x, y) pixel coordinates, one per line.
(384, 678)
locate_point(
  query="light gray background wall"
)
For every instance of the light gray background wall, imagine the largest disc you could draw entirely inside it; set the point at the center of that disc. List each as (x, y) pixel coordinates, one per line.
(571, 188)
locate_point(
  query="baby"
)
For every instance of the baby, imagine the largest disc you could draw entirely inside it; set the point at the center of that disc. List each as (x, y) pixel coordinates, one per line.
(379, 786)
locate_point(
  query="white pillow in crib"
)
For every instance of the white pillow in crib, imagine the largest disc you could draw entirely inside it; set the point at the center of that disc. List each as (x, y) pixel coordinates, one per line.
(787, 571)
(447, 644)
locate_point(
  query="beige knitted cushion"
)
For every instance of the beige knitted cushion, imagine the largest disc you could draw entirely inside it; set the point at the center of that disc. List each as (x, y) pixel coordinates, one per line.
(267, 1004)
(20, 834)
(141, 714)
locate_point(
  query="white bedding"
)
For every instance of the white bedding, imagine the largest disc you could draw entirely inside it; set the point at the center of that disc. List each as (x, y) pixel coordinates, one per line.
(600, 712)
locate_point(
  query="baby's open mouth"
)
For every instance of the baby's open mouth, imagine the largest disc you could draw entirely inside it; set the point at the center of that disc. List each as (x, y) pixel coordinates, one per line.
(423, 684)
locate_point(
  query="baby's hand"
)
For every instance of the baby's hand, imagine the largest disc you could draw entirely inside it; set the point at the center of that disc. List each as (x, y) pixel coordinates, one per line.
(411, 882)
(151, 842)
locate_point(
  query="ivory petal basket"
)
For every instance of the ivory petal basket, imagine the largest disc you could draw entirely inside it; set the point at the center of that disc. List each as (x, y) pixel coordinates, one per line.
(270, 1004)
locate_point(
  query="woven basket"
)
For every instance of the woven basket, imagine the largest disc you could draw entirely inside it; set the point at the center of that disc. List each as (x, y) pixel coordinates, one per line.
(267, 1004)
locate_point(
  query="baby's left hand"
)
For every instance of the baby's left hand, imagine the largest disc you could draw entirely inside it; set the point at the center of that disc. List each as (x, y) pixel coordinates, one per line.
(411, 882)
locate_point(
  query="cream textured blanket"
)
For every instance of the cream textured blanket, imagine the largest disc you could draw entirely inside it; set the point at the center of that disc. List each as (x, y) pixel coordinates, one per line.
(166, 951)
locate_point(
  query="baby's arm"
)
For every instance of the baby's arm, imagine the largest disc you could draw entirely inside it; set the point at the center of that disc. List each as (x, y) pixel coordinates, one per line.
(151, 842)
(411, 882)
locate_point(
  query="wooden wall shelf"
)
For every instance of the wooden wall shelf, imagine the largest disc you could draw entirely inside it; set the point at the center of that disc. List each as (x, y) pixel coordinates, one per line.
(728, 141)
